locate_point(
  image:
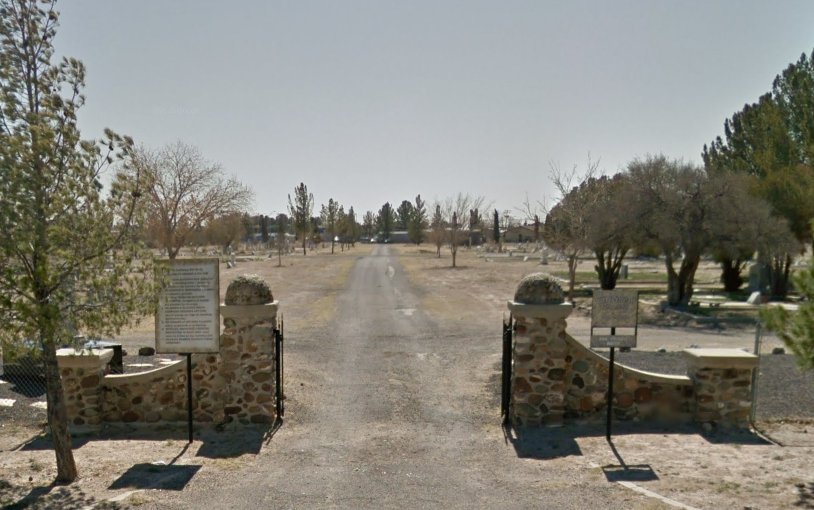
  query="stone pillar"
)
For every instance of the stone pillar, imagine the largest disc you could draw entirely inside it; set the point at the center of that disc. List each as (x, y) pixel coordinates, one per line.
(540, 352)
(82, 373)
(723, 385)
(247, 351)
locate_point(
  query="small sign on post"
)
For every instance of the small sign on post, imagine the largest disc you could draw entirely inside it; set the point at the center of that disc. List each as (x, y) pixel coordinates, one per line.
(614, 309)
(188, 316)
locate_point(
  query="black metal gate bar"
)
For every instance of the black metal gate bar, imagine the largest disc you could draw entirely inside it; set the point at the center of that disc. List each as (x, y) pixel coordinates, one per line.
(506, 386)
(278, 364)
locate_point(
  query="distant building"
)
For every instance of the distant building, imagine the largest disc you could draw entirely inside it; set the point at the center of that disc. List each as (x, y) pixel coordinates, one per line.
(519, 234)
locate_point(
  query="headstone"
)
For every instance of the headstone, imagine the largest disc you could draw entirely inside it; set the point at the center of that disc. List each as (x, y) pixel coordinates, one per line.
(759, 277)
(624, 272)
(754, 298)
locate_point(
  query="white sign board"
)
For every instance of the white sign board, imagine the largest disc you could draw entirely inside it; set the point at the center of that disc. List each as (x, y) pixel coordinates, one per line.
(188, 316)
(613, 340)
(614, 309)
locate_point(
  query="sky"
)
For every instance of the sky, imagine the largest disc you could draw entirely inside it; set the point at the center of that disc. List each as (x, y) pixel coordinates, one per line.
(377, 101)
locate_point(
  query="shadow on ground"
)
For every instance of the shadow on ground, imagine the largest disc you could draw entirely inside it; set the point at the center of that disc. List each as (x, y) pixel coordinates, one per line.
(554, 442)
(232, 441)
(805, 495)
(47, 497)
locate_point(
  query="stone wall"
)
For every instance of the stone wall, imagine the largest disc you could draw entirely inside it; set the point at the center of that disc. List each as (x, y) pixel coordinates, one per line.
(82, 373)
(557, 380)
(235, 384)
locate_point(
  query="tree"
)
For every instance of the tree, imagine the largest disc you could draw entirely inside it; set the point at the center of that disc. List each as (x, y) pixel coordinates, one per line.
(69, 257)
(369, 224)
(404, 214)
(330, 219)
(456, 208)
(226, 230)
(437, 232)
(281, 241)
(772, 141)
(264, 229)
(183, 192)
(610, 228)
(385, 221)
(351, 227)
(300, 210)
(674, 204)
(418, 221)
(565, 228)
(797, 328)
(496, 231)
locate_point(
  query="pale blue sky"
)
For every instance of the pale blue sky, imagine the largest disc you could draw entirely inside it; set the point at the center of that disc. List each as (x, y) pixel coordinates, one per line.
(374, 101)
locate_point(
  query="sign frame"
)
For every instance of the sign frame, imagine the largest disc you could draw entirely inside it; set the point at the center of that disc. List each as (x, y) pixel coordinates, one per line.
(209, 298)
(623, 312)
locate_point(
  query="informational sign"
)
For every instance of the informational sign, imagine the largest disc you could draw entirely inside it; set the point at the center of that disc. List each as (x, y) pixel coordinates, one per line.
(188, 316)
(613, 340)
(614, 309)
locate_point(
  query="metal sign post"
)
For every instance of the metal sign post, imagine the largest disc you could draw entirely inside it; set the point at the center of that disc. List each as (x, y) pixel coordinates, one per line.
(614, 309)
(188, 316)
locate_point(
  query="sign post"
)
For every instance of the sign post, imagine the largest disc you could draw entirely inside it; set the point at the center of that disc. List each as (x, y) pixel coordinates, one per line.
(614, 309)
(188, 317)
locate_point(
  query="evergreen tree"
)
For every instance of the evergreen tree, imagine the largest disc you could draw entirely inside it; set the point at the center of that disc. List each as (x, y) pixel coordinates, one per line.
(404, 215)
(496, 230)
(418, 221)
(385, 221)
(300, 209)
(69, 258)
(437, 232)
(796, 328)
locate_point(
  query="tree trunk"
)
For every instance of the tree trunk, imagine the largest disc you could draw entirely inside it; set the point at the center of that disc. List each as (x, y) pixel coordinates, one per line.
(58, 416)
(303, 245)
(780, 266)
(572, 275)
(454, 254)
(332, 246)
(609, 263)
(731, 274)
(679, 285)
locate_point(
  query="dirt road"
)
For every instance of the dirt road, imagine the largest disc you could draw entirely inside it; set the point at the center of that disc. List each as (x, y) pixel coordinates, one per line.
(388, 409)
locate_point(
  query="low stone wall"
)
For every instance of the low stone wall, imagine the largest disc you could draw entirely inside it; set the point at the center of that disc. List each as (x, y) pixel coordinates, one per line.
(557, 380)
(82, 373)
(235, 384)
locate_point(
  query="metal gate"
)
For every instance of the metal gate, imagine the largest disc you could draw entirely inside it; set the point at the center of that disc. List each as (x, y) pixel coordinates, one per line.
(279, 378)
(506, 371)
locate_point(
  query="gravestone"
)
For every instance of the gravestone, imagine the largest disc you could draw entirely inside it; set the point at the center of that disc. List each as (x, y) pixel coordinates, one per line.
(759, 277)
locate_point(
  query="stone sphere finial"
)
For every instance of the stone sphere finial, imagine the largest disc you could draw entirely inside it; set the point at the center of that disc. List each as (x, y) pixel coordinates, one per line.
(539, 289)
(248, 290)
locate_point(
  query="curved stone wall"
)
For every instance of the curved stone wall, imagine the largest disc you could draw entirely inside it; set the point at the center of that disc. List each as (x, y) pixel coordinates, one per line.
(556, 379)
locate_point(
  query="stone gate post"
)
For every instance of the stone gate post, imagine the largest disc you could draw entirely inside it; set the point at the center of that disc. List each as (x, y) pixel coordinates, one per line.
(540, 352)
(247, 353)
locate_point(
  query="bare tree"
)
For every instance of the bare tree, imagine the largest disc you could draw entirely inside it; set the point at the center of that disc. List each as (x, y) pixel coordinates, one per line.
(456, 208)
(183, 191)
(566, 224)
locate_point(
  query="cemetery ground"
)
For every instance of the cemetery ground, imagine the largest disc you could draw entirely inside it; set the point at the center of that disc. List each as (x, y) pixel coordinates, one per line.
(392, 384)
